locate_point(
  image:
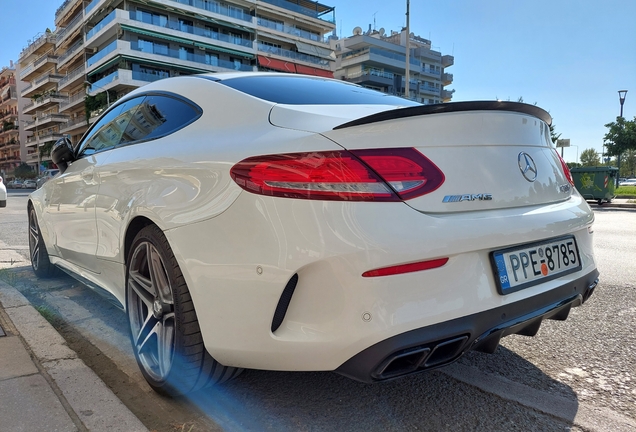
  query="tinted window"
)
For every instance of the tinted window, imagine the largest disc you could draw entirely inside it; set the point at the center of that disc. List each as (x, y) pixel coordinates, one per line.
(157, 116)
(295, 90)
(108, 130)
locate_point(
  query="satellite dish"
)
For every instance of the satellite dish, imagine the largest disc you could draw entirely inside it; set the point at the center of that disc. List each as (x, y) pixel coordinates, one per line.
(357, 31)
(381, 31)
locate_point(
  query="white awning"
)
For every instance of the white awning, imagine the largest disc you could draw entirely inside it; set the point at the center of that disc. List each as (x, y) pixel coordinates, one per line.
(315, 50)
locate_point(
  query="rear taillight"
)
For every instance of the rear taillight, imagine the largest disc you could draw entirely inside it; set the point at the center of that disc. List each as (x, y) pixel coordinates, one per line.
(566, 170)
(360, 175)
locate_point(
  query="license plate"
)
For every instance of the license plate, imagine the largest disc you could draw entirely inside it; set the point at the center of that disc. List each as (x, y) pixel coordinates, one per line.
(526, 265)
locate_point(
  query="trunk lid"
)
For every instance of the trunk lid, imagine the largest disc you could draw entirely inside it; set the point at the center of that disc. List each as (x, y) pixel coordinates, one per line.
(494, 155)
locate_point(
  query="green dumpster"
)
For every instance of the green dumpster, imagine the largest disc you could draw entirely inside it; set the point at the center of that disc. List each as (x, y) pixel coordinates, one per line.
(595, 183)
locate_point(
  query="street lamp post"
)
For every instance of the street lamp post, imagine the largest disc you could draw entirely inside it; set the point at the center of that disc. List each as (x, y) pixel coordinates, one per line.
(621, 99)
(91, 85)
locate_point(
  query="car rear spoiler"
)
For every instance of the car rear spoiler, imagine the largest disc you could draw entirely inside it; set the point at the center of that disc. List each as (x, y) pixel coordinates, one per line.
(399, 113)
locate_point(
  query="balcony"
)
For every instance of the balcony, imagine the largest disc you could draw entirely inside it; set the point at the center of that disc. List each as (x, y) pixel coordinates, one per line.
(429, 90)
(46, 40)
(72, 77)
(75, 49)
(74, 126)
(10, 95)
(104, 22)
(379, 57)
(291, 30)
(447, 78)
(218, 8)
(193, 30)
(46, 119)
(448, 60)
(318, 12)
(72, 101)
(43, 83)
(374, 77)
(104, 52)
(62, 34)
(447, 95)
(33, 69)
(44, 102)
(65, 9)
(296, 56)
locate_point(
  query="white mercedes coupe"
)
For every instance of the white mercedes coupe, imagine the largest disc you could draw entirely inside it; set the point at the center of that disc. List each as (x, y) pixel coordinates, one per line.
(294, 223)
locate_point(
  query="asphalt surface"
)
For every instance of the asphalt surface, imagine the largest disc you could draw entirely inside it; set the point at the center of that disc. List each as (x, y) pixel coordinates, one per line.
(577, 375)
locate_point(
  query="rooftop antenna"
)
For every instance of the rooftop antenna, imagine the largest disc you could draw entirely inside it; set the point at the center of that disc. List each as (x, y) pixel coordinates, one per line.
(374, 19)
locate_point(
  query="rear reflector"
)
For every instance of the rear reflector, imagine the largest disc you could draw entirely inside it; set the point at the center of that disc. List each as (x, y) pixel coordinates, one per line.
(361, 175)
(406, 268)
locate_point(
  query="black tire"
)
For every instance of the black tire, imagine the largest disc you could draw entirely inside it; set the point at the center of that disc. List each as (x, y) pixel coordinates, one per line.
(3, 203)
(40, 262)
(164, 330)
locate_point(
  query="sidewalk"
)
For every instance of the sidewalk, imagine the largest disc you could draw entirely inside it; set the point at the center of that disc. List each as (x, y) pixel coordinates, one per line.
(616, 203)
(44, 386)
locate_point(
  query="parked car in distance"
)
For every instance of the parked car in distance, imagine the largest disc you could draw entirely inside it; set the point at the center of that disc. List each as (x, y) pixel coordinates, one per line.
(627, 182)
(295, 223)
(3, 193)
(15, 184)
(29, 184)
(46, 176)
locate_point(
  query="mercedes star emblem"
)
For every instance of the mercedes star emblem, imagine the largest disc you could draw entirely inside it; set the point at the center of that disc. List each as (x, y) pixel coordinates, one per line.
(527, 166)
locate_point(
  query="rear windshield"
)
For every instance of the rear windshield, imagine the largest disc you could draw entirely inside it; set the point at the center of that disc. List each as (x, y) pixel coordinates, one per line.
(300, 90)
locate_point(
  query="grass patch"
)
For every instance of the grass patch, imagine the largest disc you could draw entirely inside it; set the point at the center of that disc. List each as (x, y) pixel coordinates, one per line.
(47, 313)
(626, 190)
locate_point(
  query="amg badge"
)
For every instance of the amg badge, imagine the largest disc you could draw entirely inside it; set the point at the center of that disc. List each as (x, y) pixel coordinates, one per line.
(467, 197)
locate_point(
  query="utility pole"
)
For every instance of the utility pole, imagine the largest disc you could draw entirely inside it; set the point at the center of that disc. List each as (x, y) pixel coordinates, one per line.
(621, 99)
(407, 74)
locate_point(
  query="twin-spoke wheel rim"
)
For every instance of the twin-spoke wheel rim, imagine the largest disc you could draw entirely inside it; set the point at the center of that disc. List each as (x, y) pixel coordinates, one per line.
(151, 311)
(34, 240)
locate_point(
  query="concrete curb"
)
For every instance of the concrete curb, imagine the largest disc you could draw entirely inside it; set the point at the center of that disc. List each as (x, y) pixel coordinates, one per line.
(82, 391)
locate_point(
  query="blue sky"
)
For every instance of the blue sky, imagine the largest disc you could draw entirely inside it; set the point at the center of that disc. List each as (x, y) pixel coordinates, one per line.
(569, 56)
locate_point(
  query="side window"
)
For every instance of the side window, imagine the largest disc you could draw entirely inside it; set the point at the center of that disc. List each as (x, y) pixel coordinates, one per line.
(108, 130)
(158, 116)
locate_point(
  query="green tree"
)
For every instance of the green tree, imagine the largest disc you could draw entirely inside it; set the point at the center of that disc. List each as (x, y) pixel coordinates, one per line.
(620, 137)
(589, 157)
(23, 171)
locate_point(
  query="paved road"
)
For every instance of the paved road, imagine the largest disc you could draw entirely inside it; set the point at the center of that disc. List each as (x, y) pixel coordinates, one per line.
(577, 375)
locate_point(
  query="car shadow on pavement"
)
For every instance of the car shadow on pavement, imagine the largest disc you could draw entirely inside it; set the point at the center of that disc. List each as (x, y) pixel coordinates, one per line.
(479, 392)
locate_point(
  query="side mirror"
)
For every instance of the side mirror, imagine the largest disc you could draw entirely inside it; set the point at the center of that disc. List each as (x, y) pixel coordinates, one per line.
(62, 153)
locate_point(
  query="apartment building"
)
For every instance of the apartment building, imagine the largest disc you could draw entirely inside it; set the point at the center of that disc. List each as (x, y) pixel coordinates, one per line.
(38, 71)
(376, 60)
(111, 47)
(10, 141)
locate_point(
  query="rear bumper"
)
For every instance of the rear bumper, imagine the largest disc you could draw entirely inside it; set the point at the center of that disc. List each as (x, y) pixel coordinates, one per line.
(441, 344)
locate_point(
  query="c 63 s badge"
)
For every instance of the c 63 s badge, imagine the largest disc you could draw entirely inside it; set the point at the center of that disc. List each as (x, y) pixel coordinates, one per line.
(467, 197)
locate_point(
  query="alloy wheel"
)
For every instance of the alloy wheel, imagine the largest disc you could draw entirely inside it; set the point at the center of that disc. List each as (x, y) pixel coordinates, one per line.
(34, 240)
(151, 311)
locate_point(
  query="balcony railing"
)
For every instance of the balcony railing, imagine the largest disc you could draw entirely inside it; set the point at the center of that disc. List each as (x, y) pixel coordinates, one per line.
(61, 8)
(382, 53)
(372, 72)
(105, 81)
(102, 53)
(90, 6)
(37, 43)
(103, 23)
(274, 25)
(292, 54)
(71, 26)
(138, 16)
(196, 58)
(73, 99)
(71, 76)
(37, 63)
(47, 77)
(218, 8)
(297, 8)
(70, 52)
